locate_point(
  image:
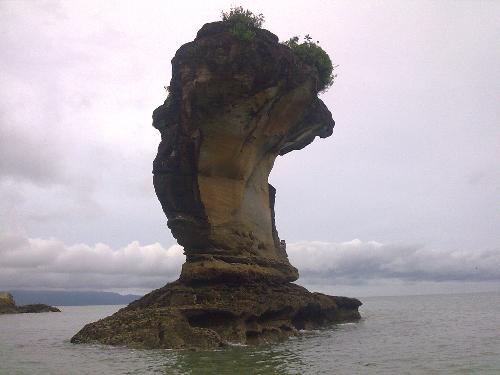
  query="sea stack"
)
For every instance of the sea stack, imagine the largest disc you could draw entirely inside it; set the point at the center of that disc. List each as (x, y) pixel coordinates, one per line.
(234, 105)
(8, 306)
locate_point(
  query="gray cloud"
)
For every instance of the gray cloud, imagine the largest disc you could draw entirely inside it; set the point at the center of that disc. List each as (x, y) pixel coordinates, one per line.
(24, 157)
(50, 263)
(76, 143)
(413, 159)
(360, 261)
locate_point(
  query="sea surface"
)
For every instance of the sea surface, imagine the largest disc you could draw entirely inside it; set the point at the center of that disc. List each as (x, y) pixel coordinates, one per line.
(436, 334)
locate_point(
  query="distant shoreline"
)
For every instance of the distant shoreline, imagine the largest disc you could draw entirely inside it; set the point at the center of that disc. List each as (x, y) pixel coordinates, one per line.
(72, 298)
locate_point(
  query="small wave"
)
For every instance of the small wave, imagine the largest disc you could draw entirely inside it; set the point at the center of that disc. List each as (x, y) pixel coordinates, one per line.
(309, 330)
(236, 344)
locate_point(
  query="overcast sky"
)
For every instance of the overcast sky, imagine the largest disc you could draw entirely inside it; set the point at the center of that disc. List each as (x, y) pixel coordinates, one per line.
(404, 197)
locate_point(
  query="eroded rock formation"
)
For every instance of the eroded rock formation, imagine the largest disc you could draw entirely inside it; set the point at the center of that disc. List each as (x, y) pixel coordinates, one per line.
(214, 315)
(233, 107)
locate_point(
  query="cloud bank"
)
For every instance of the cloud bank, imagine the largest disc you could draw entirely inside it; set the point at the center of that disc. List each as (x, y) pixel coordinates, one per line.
(34, 263)
(357, 261)
(51, 264)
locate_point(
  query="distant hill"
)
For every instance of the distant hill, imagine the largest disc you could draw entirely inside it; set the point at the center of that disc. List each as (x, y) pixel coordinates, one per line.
(70, 298)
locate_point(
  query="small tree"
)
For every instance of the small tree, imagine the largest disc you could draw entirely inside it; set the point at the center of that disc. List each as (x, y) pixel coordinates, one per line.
(312, 54)
(243, 22)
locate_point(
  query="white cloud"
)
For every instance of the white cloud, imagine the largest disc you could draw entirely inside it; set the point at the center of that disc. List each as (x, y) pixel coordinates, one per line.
(49, 263)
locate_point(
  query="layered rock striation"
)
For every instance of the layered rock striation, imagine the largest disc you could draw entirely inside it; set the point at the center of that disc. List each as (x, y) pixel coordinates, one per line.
(233, 107)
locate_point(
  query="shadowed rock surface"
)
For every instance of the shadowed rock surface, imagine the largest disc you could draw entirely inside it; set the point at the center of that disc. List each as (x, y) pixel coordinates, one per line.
(233, 107)
(8, 306)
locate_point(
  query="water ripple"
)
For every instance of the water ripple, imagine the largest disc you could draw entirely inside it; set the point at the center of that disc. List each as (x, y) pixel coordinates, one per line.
(450, 334)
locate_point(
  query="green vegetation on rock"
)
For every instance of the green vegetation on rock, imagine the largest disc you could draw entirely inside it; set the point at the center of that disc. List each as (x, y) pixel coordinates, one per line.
(312, 54)
(243, 22)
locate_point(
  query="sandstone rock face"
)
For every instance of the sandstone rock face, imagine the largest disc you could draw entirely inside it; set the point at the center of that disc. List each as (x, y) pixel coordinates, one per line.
(233, 107)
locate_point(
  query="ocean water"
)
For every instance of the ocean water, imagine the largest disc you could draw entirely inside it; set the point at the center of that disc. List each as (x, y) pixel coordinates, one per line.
(438, 334)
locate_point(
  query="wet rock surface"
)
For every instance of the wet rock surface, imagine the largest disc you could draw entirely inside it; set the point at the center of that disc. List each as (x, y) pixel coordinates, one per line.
(233, 107)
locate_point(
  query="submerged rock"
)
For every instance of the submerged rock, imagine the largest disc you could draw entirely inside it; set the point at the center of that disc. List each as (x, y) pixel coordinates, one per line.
(8, 306)
(37, 308)
(233, 107)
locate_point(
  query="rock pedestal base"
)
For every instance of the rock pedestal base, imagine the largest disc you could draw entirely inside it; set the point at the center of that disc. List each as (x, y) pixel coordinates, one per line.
(180, 316)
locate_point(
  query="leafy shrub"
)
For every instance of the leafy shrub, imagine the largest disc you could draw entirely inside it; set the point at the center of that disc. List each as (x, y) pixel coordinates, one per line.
(243, 22)
(312, 54)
